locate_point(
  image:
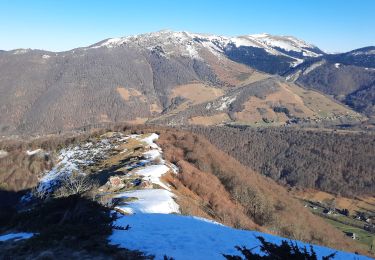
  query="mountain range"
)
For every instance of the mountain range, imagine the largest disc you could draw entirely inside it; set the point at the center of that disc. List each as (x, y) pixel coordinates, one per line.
(183, 78)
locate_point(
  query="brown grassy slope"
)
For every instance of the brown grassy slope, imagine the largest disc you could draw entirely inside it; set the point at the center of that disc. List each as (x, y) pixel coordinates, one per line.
(288, 217)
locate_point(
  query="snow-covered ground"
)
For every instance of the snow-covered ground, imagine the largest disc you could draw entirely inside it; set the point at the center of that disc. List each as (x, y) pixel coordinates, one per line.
(28, 152)
(226, 101)
(3, 154)
(185, 237)
(153, 173)
(149, 201)
(15, 236)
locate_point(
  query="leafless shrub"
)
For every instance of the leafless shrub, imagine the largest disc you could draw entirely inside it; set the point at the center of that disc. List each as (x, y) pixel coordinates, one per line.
(38, 193)
(74, 183)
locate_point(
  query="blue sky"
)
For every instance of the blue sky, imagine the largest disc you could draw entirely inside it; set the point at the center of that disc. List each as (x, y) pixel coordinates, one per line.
(333, 25)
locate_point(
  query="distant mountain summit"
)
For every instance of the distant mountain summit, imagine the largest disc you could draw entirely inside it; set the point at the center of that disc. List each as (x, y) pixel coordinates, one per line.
(268, 53)
(349, 77)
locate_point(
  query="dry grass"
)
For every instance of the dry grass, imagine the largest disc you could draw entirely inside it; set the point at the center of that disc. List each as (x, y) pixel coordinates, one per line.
(209, 120)
(254, 77)
(319, 103)
(155, 108)
(126, 94)
(196, 93)
(229, 72)
(299, 102)
(251, 112)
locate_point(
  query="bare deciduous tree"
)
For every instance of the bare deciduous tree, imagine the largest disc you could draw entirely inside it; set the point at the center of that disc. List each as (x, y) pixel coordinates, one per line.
(38, 193)
(74, 183)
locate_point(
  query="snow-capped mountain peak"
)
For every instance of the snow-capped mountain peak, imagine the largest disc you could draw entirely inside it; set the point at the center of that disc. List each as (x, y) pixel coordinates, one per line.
(247, 49)
(287, 43)
(270, 43)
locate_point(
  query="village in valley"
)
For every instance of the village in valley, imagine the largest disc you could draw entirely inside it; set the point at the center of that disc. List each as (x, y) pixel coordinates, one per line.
(358, 224)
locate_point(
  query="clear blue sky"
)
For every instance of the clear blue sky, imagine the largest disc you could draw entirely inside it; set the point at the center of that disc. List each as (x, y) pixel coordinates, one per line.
(333, 25)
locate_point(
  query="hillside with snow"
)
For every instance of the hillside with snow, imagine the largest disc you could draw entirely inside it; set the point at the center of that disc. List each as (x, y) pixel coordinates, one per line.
(145, 203)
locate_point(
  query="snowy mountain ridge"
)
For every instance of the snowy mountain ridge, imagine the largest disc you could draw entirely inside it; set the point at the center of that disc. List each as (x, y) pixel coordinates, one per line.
(191, 43)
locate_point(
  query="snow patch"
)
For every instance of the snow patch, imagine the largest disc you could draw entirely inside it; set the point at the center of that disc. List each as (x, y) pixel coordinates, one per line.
(297, 62)
(152, 155)
(149, 201)
(313, 67)
(185, 237)
(242, 41)
(3, 154)
(337, 65)
(226, 101)
(153, 173)
(21, 51)
(150, 140)
(16, 236)
(28, 152)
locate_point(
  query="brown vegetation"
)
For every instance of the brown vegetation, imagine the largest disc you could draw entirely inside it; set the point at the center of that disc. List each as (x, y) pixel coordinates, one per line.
(260, 199)
(335, 162)
(209, 120)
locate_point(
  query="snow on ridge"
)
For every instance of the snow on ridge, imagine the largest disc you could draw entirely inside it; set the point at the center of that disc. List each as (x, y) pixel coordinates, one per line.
(151, 169)
(148, 201)
(153, 173)
(21, 51)
(71, 159)
(370, 52)
(189, 44)
(288, 43)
